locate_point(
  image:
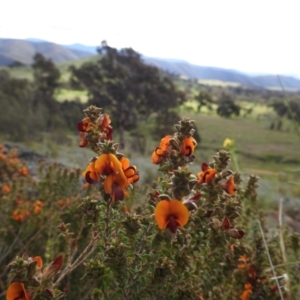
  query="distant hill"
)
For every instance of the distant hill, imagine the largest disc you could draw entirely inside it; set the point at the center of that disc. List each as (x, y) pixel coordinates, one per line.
(22, 51)
(188, 70)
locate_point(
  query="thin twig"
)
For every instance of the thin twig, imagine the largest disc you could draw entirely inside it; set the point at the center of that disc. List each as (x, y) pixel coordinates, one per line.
(270, 260)
(282, 245)
(282, 265)
(89, 249)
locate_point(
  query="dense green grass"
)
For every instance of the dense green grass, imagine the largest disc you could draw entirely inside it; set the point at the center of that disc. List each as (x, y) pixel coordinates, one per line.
(256, 145)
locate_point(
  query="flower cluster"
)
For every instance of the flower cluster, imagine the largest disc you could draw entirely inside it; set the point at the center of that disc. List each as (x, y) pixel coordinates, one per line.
(113, 173)
(11, 167)
(30, 279)
(110, 169)
(95, 127)
(176, 150)
(181, 191)
(23, 209)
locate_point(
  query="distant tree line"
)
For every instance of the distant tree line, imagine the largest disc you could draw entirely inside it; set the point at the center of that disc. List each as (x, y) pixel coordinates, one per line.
(29, 108)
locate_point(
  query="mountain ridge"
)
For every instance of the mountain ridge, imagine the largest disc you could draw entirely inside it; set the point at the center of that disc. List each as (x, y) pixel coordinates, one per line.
(22, 51)
(189, 70)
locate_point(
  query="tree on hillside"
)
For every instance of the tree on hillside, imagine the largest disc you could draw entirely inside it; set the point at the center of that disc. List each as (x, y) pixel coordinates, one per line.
(16, 117)
(227, 107)
(126, 87)
(204, 99)
(46, 76)
(291, 110)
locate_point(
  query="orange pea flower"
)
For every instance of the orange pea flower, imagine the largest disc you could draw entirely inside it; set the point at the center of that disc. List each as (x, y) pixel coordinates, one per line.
(84, 126)
(17, 291)
(207, 175)
(156, 157)
(20, 215)
(38, 207)
(83, 141)
(161, 151)
(107, 164)
(171, 214)
(64, 203)
(230, 186)
(247, 292)
(24, 171)
(115, 184)
(129, 171)
(188, 146)
(60, 202)
(5, 189)
(242, 264)
(39, 261)
(90, 174)
(106, 127)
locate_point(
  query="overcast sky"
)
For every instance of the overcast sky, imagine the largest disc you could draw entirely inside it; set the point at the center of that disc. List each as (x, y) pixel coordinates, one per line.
(253, 36)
